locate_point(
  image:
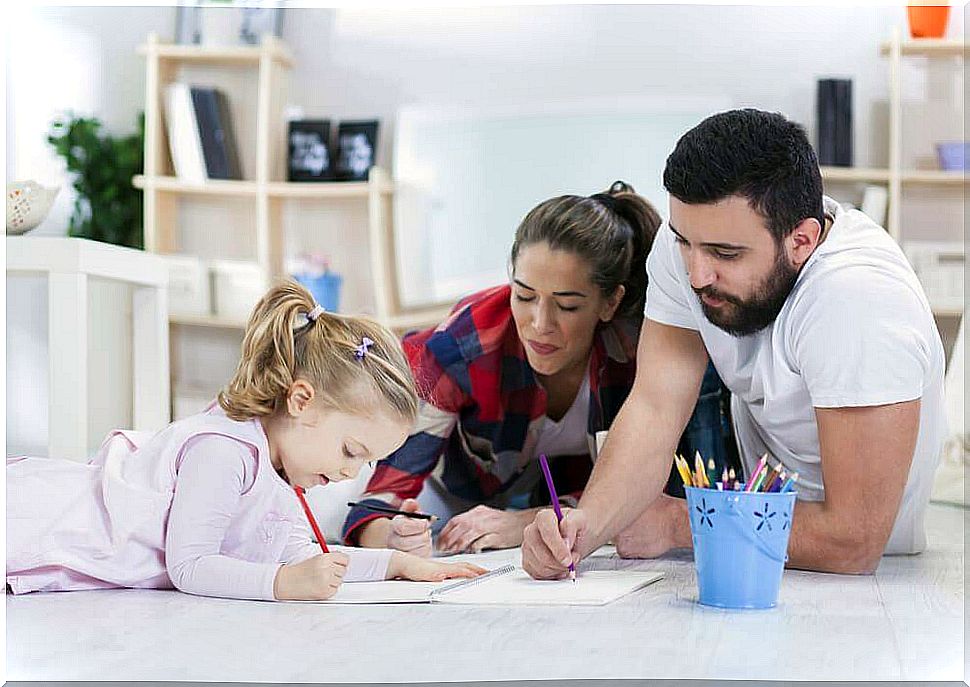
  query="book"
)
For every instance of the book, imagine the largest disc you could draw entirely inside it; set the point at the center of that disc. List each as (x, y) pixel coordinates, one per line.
(509, 585)
(834, 118)
(184, 142)
(215, 132)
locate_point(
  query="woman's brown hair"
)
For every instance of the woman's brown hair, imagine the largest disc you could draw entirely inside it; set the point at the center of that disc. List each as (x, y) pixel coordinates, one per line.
(282, 344)
(613, 231)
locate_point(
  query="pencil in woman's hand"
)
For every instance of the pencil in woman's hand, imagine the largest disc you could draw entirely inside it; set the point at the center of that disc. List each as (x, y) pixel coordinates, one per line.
(394, 511)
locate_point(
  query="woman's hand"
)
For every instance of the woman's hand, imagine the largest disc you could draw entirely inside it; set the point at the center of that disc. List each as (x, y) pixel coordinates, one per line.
(401, 533)
(408, 567)
(315, 579)
(484, 528)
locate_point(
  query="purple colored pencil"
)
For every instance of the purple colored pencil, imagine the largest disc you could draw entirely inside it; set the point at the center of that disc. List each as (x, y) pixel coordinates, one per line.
(555, 500)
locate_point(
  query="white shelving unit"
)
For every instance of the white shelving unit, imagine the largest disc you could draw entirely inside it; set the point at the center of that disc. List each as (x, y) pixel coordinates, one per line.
(265, 186)
(896, 176)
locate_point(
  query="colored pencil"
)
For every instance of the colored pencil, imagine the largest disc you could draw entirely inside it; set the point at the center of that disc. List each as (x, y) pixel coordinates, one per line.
(394, 511)
(789, 483)
(683, 470)
(309, 516)
(732, 478)
(711, 471)
(544, 464)
(757, 472)
(702, 480)
(768, 477)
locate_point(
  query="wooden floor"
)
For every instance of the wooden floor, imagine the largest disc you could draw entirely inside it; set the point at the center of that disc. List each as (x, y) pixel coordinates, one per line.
(904, 622)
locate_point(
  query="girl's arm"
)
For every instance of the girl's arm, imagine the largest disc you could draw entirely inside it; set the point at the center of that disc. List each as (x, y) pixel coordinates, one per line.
(212, 477)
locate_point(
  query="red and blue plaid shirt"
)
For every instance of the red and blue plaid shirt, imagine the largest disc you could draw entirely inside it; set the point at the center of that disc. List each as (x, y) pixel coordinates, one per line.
(481, 407)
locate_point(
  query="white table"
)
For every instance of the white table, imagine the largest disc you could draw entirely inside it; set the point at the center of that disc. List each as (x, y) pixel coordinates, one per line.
(904, 622)
(69, 264)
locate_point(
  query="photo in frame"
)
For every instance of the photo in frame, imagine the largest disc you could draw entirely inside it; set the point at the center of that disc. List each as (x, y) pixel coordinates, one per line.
(309, 157)
(258, 20)
(357, 149)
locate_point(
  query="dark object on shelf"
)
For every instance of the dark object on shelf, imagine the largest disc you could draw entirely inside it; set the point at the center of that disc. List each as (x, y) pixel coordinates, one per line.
(357, 143)
(260, 21)
(215, 131)
(309, 150)
(188, 24)
(834, 113)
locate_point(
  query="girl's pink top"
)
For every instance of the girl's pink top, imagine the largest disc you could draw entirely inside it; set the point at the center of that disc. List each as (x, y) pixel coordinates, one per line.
(196, 506)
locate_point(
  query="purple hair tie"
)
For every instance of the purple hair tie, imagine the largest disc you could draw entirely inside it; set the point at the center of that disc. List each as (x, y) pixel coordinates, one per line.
(361, 350)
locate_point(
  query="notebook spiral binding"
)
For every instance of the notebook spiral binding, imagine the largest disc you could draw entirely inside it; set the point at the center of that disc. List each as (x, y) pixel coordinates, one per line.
(462, 584)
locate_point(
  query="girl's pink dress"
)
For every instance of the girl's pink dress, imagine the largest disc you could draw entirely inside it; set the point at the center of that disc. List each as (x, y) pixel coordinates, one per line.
(196, 506)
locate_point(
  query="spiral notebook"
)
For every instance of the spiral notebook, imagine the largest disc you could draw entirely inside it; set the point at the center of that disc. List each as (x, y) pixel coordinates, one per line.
(509, 585)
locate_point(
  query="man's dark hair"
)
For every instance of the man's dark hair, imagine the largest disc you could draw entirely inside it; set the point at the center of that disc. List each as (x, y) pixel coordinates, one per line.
(760, 156)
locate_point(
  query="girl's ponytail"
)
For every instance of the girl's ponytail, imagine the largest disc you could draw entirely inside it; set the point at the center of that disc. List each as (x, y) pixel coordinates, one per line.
(351, 362)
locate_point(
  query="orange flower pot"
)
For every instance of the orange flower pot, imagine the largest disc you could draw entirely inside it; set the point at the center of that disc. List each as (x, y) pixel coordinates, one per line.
(928, 21)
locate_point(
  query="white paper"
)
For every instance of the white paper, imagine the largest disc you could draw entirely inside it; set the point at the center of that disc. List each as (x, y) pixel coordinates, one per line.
(591, 588)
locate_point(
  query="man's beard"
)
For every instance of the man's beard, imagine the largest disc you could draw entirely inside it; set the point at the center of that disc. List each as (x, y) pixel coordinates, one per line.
(743, 317)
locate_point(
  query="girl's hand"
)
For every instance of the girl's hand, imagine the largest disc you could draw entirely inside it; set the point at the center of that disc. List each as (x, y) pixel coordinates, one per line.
(483, 528)
(315, 579)
(408, 567)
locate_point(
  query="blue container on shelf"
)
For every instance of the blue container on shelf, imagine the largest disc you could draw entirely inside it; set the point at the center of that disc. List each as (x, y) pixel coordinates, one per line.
(325, 288)
(740, 545)
(952, 155)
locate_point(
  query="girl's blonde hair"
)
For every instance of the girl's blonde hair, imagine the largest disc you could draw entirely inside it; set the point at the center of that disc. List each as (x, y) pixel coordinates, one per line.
(282, 345)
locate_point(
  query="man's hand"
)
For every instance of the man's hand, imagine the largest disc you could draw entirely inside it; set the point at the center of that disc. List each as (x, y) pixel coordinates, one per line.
(549, 546)
(484, 528)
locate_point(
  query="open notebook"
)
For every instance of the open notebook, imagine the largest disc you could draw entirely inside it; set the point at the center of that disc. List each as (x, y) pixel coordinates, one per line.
(508, 586)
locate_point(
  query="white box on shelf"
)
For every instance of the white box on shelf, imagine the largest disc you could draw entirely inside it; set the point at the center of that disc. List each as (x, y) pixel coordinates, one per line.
(940, 267)
(236, 286)
(188, 285)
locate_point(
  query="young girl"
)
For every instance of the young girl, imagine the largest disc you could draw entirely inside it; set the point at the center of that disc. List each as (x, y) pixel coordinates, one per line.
(207, 505)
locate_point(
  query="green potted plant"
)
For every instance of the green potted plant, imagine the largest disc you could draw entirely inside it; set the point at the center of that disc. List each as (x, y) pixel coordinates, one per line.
(108, 207)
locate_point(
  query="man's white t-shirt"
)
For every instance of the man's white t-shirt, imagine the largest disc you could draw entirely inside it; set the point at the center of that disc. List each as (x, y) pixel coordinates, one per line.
(856, 330)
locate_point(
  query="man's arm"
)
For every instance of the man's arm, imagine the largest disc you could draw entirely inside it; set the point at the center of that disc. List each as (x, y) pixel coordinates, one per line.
(866, 454)
(633, 468)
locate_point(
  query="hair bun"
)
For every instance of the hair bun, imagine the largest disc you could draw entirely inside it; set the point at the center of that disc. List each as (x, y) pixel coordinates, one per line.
(620, 187)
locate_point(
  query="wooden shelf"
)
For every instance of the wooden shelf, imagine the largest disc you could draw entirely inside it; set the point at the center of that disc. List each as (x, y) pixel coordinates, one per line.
(414, 319)
(207, 321)
(419, 318)
(225, 55)
(928, 47)
(277, 189)
(324, 189)
(934, 177)
(210, 187)
(854, 174)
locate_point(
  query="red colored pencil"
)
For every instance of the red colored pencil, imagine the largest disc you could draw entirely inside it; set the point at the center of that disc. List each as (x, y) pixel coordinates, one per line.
(309, 516)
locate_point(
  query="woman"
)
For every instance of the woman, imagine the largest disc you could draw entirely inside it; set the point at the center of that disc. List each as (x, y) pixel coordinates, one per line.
(537, 366)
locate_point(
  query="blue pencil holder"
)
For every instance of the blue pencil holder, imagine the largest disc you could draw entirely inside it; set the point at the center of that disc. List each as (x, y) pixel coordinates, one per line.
(740, 545)
(325, 289)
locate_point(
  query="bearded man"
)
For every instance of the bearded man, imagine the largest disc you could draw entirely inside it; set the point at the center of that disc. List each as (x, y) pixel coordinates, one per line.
(819, 327)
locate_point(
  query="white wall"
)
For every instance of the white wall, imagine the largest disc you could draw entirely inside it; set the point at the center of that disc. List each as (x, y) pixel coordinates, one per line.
(368, 63)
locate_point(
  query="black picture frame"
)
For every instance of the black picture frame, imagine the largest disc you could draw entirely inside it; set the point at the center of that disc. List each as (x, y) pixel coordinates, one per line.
(309, 157)
(258, 21)
(188, 24)
(357, 149)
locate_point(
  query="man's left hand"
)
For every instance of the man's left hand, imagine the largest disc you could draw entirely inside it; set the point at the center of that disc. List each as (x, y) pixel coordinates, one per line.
(659, 528)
